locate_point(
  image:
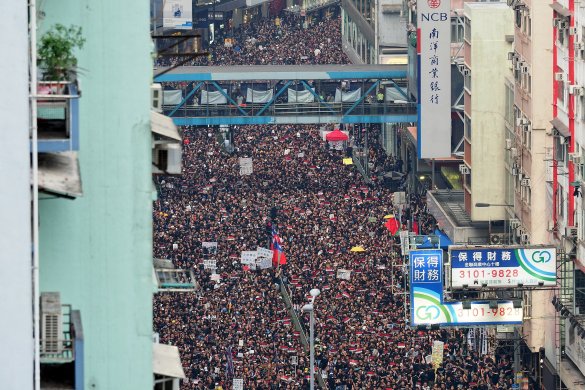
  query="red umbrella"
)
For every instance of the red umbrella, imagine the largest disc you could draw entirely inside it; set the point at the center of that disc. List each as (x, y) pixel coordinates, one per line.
(336, 135)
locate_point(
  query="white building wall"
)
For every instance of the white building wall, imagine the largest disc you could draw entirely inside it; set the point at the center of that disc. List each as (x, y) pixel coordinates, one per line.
(490, 23)
(16, 351)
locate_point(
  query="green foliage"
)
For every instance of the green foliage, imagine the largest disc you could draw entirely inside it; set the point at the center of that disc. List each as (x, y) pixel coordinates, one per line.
(55, 52)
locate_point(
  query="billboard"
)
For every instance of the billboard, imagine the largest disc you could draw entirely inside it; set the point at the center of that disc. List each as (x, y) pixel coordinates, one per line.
(434, 78)
(475, 267)
(426, 298)
(178, 14)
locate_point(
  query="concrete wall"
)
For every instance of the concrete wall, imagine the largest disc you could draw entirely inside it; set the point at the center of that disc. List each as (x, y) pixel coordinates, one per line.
(97, 250)
(490, 23)
(16, 353)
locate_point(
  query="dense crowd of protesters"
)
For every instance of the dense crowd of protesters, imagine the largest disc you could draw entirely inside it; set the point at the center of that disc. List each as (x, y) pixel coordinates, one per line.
(324, 209)
(281, 40)
(236, 325)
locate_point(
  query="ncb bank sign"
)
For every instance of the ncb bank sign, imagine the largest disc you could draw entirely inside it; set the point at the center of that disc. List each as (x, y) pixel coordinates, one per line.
(434, 78)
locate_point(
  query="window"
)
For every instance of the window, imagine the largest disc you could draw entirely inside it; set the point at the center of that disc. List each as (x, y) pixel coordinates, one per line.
(582, 107)
(467, 79)
(457, 29)
(518, 17)
(561, 91)
(560, 149)
(560, 201)
(509, 104)
(467, 127)
(467, 29)
(527, 136)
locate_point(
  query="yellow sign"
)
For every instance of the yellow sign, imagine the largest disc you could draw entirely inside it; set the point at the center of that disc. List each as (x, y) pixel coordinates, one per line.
(437, 354)
(347, 161)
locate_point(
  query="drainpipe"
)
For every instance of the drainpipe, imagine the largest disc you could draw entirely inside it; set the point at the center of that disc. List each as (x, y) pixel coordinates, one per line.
(35, 191)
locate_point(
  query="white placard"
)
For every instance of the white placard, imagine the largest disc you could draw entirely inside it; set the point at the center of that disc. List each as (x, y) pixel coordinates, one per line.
(215, 277)
(263, 252)
(264, 263)
(249, 257)
(210, 264)
(343, 274)
(209, 248)
(434, 126)
(246, 166)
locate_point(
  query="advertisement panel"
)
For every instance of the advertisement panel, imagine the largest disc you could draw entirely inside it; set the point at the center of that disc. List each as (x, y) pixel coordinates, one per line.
(434, 78)
(178, 14)
(426, 298)
(477, 267)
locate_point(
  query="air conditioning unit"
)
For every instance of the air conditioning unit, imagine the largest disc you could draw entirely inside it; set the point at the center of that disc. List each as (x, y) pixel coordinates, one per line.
(511, 55)
(514, 223)
(521, 121)
(464, 169)
(499, 238)
(575, 158)
(572, 30)
(167, 159)
(512, 3)
(525, 182)
(525, 238)
(559, 76)
(156, 97)
(514, 152)
(576, 90)
(51, 323)
(577, 46)
(508, 143)
(524, 69)
(461, 67)
(466, 72)
(518, 65)
(571, 232)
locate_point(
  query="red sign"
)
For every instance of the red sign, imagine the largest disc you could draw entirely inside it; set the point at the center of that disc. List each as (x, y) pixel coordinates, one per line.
(434, 3)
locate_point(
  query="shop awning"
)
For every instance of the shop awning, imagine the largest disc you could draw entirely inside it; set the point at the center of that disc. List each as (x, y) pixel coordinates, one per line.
(561, 10)
(166, 361)
(164, 126)
(59, 174)
(561, 127)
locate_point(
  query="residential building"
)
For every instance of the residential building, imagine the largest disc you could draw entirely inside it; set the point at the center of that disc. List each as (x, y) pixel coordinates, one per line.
(16, 354)
(373, 31)
(564, 355)
(94, 201)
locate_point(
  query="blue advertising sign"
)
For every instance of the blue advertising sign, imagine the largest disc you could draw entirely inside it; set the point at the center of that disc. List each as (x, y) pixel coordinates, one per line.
(426, 298)
(502, 266)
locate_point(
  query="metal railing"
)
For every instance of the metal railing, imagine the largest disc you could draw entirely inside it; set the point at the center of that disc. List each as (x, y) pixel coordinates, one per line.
(296, 109)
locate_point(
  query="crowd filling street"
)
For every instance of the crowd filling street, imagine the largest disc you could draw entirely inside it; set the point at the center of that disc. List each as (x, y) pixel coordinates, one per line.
(235, 324)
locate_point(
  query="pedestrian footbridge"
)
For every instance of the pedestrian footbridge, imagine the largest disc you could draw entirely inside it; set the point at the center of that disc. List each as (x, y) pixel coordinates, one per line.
(285, 94)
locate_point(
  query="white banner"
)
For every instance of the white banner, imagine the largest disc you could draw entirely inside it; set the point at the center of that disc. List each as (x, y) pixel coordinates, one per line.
(392, 94)
(253, 96)
(172, 97)
(434, 127)
(209, 248)
(351, 96)
(343, 274)
(213, 97)
(437, 354)
(178, 14)
(300, 96)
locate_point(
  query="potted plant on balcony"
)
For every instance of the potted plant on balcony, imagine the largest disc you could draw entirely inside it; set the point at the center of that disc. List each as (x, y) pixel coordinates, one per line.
(56, 59)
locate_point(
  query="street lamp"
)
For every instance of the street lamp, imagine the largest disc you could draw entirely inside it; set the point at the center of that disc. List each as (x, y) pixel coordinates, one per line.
(479, 204)
(308, 308)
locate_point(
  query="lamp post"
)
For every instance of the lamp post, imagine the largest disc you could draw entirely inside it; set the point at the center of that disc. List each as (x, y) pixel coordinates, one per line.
(309, 308)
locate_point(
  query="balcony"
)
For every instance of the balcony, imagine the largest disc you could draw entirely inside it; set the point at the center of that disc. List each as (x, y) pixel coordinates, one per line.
(61, 346)
(57, 117)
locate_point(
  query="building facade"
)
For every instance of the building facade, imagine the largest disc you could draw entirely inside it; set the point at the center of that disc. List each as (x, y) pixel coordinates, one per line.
(96, 249)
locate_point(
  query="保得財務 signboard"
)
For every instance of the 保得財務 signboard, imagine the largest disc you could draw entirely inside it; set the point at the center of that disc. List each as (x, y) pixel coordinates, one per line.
(502, 267)
(426, 294)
